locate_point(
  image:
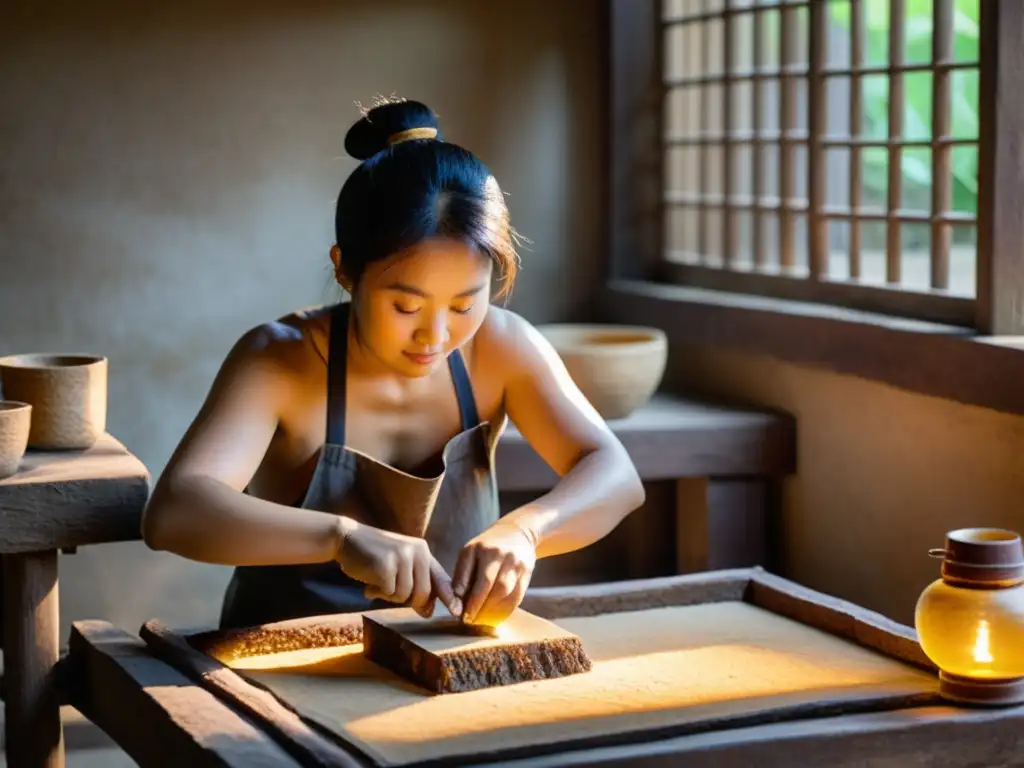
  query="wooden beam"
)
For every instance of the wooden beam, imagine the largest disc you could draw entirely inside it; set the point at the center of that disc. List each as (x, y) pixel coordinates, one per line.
(1000, 285)
(302, 741)
(33, 735)
(635, 137)
(927, 358)
(155, 713)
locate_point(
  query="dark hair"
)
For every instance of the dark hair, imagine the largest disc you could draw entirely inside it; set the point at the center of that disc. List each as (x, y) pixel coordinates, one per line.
(409, 189)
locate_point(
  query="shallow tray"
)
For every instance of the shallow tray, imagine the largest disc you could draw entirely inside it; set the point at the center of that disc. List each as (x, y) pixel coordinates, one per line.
(673, 657)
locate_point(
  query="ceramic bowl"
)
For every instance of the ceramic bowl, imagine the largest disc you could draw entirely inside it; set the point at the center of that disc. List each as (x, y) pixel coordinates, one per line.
(68, 395)
(15, 419)
(617, 367)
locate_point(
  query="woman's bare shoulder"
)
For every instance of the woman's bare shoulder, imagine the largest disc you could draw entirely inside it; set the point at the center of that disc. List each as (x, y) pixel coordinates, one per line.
(504, 335)
(289, 342)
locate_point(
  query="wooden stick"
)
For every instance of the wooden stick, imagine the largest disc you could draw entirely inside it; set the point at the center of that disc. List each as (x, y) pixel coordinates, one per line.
(153, 712)
(638, 595)
(838, 617)
(299, 739)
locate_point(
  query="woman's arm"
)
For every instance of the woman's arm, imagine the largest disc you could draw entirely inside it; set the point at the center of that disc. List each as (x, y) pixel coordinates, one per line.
(197, 509)
(599, 485)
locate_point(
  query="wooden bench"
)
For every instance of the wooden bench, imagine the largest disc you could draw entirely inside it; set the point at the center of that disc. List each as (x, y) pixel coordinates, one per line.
(725, 463)
(56, 501)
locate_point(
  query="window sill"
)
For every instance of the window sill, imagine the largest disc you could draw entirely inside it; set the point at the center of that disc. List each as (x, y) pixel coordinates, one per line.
(937, 360)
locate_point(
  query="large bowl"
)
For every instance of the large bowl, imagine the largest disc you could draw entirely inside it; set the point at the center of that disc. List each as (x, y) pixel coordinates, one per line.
(68, 395)
(617, 367)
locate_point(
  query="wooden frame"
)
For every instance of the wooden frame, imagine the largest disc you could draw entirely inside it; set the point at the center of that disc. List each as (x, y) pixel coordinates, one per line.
(766, 313)
(206, 714)
(58, 500)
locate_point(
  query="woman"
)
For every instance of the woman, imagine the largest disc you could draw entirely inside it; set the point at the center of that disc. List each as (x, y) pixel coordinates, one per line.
(344, 457)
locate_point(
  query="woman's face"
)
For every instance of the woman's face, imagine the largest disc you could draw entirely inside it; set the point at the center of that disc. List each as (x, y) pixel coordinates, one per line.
(415, 308)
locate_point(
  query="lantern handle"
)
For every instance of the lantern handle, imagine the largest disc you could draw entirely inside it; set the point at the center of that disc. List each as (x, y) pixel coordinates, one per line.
(938, 553)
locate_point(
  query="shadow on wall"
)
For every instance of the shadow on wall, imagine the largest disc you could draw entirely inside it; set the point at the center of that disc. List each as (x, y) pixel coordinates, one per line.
(170, 179)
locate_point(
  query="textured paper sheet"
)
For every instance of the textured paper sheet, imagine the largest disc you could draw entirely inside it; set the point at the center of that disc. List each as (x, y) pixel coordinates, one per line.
(652, 669)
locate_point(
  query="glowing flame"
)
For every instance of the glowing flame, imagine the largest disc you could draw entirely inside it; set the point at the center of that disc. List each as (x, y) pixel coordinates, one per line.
(982, 650)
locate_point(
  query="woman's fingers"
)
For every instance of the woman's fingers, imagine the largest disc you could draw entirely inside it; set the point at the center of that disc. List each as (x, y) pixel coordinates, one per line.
(463, 573)
(505, 595)
(421, 600)
(485, 573)
(442, 588)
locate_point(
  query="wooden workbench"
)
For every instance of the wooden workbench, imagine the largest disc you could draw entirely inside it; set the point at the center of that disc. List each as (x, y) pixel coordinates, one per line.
(56, 501)
(722, 461)
(199, 713)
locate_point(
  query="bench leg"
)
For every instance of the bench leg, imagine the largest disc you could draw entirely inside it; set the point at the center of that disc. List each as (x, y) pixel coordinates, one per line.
(722, 523)
(33, 733)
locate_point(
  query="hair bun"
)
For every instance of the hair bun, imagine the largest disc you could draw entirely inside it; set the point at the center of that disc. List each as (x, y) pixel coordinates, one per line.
(370, 135)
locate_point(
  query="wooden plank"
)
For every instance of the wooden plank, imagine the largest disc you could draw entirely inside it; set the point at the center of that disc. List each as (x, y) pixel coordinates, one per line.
(304, 744)
(33, 735)
(71, 498)
(444, 655)
(153, 712)
(923, 737)
(669, 438)
(638, 594)
(838, 617)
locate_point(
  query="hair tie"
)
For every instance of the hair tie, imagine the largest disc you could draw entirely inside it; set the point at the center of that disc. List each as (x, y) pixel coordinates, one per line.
(411, 133)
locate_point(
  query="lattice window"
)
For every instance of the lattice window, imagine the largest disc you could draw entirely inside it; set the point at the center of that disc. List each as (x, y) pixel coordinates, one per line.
(824, 150)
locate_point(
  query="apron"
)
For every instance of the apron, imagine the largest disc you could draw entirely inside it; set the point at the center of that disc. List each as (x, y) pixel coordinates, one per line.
(447, 510)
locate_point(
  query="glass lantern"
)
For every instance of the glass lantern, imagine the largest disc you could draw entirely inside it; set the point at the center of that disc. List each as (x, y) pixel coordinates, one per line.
(970, 622)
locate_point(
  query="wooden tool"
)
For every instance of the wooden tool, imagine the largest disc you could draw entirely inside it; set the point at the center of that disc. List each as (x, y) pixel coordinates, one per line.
(444, 655)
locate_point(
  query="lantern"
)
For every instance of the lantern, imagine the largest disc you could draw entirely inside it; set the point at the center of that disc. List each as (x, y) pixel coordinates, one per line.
(970, 622)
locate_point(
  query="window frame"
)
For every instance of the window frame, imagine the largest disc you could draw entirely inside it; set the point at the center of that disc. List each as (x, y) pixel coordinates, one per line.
(974, 359)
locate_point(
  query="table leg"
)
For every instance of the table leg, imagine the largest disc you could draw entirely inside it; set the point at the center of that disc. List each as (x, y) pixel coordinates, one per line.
(33, 733)
(722, 524)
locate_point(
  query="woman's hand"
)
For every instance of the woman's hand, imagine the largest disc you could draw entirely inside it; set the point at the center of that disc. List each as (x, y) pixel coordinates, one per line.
(394, 567)
(493, 572)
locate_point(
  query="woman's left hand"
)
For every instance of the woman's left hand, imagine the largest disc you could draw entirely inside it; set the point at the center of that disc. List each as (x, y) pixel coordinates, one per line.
(493, 572)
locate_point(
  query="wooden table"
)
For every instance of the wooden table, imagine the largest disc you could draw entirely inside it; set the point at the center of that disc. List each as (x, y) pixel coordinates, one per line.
(56, 501)
(726, 464)
(165, 715)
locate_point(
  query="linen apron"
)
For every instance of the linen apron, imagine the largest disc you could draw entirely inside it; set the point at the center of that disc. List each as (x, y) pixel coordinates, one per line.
(447, 510)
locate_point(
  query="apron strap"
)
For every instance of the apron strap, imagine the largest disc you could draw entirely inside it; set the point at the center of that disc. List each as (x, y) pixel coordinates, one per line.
(337, 358)
(463, 390)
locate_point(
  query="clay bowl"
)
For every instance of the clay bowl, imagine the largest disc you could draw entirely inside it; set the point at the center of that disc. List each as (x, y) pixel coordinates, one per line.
(617, 367)
(68, 395)
(15, 419)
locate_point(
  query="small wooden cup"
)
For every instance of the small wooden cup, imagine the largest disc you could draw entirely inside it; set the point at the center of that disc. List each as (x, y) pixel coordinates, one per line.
(68, 394)
(15, 420)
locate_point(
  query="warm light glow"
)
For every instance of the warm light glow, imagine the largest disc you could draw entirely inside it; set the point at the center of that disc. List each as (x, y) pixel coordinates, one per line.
(669, 668)
(304, 659)
(973, 633)
(982, 649)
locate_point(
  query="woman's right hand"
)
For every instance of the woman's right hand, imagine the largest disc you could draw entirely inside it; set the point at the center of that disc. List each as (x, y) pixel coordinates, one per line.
(395, 567)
